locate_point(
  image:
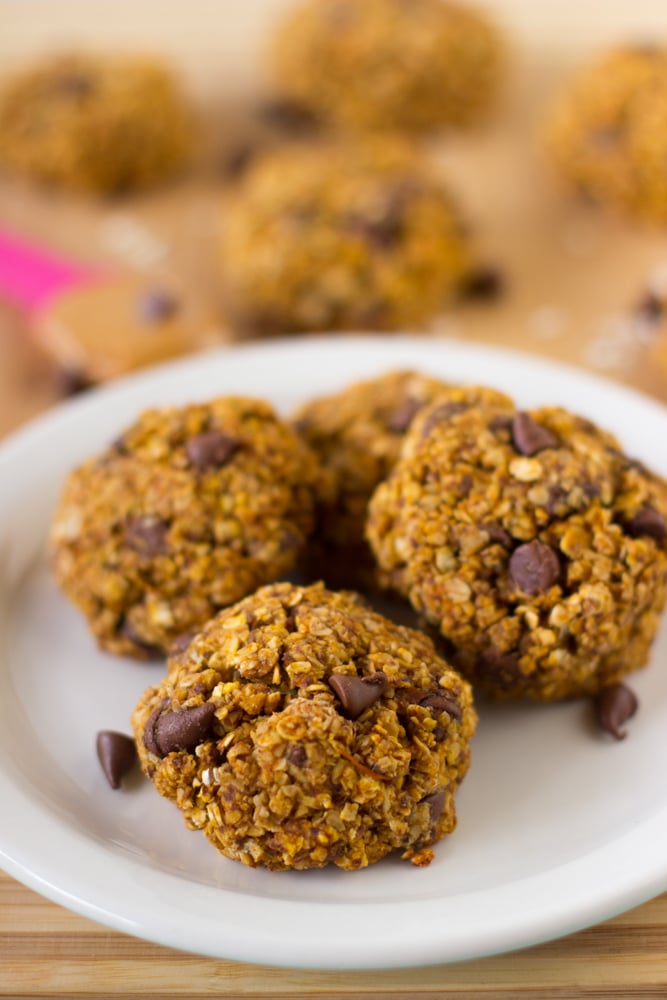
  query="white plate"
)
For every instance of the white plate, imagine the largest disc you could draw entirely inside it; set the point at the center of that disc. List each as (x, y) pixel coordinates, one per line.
(559, 826)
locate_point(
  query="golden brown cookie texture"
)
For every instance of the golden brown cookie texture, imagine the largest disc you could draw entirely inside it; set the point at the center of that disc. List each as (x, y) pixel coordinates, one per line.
(95, 123)
(300, 729)
(357, 435)
(409, 65)
(339, 235)
(189, 510)
(535, 547)
(607, 134)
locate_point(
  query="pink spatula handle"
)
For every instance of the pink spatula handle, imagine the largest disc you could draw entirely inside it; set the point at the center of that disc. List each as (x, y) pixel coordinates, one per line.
(31, 277)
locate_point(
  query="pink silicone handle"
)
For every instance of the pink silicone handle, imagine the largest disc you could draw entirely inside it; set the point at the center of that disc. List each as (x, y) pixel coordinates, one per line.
(31, 277)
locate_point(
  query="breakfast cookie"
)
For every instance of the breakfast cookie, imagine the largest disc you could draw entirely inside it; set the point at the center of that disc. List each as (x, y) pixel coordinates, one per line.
(535, 547)
(94, 123)
(340, 236)
(357, 435)
(607, 134)
(300, 728)
(389, 64)
(103, 329)
(189, 510)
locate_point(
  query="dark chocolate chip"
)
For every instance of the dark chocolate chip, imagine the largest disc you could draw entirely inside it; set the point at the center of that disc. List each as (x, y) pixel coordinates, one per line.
(116, 753)
(156, 306)
(486, 283)
(357, 693)
(501, 668)
(441, 413)
(181, 643)
(211, 450)
(127, 629)
(149, 730)
(71, 382)
(556, 500)
(651, 308)
(534, 567)
(614, 705)
(296, 755)
(647, 521)
(439, 733)
(402, 417)
(382, 232)
(147, 534)
(441, 702)
(465, 485)
(501, 422)
(530, 437)
(184, 729)
(436, 803)
(497, 534)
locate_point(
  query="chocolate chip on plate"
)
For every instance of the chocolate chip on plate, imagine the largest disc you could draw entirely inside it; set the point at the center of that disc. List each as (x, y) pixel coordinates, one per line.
(614, 705)
(530, 437)
(116, 753)
(534, 567)
(211, 449)
(357, 693)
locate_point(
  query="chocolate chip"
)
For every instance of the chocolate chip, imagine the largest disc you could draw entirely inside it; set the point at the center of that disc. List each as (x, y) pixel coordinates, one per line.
(181, 643)
(181, 730)
(501, 668)
(534, 567)
(147, 534)
(497, 534)
(530, 437)
(382, 232)
(156, 306)
(211, 450)
(357, 693)
(650, 308)
(402, 417)
(440, 702)
(288, 116)
(149, 730)
(296, 755)
(71, 382)
(501, 422)
(441, 413)
(127, 629)
(485, 283)
(436, 803)
(647, 521)
(614, 705)
(117, 753)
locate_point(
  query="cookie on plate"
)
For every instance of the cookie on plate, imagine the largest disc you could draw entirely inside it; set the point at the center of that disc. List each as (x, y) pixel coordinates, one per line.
(301, 729)
(531, 543)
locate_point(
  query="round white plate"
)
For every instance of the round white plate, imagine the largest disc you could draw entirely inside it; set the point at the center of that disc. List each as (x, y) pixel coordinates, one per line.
(559, 827)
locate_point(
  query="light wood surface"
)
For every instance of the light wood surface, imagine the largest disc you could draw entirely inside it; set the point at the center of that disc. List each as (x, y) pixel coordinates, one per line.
(573, 277)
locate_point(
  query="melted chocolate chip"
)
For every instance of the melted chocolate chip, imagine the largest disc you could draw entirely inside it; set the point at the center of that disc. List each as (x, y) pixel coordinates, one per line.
(147, 535)
(436, 804)
(534, 567)
(357, 693)
(647, 521)
(614, 705)
(403, 415)
(156, 306)
(296, 755)
(181, 730)
(211, 449)
(530, 437)
(116, 753)
(441, 702)
(486, 283)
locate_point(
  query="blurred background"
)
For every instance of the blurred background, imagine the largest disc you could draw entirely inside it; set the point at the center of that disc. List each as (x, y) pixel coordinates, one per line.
(571, 279)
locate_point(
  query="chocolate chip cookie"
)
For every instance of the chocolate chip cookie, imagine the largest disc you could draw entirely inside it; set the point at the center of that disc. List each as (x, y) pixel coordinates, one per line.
(95, 123)
(357, 435)
(189, 510)
(389, 64)
(301, 729)
(531, 543)
(339, 235)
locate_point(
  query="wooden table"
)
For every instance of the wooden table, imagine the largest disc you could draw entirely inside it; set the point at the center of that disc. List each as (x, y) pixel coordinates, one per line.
(570, 297)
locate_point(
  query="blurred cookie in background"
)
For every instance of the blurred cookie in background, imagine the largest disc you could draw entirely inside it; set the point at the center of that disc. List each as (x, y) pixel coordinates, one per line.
(101, 124)
(337, 236)
(607, 133)
(389, 64)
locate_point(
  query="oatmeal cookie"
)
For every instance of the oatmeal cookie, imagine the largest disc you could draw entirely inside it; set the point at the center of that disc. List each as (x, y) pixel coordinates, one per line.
(535, 547)
(300, 728)
(341, 236)
(357, 435)
(95, 123)
(607, 134)
(188, 511)
(389, 64)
